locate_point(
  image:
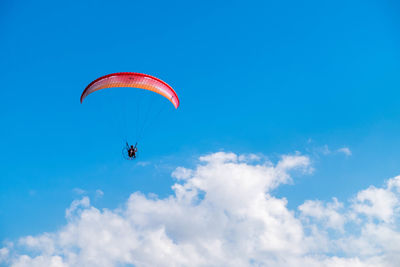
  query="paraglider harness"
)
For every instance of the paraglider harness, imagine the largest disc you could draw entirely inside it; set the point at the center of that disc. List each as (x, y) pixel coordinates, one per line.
(129, 152)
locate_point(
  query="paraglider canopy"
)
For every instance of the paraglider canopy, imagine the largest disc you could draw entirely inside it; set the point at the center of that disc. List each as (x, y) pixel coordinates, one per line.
(132, 79)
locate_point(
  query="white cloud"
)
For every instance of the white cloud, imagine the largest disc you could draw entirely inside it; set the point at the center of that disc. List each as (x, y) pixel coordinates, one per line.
(344, 150)
(76, 204)
(143, 163)
(249, 158)
(394, 184)
(181, 173)
(79, 191)
(39, 261)
(329, 214)
(297, 161)
(219, 157)
(378, 203)
(99, 193)
(223, 213)
(325, 150)
(4, 254)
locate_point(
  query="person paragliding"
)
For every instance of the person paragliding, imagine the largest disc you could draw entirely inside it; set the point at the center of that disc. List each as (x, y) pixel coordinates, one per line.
(131, 150)
(132, 80)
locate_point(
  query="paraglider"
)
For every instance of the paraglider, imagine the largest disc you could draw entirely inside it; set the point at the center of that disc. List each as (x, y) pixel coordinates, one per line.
(130, 151)
(133, 80)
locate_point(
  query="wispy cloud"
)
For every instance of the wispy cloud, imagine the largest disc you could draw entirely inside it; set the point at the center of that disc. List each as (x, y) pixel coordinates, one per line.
(345, 150)
(223, 213)
(79, 191)
(99, 193)
(326, 150)
(143, 163)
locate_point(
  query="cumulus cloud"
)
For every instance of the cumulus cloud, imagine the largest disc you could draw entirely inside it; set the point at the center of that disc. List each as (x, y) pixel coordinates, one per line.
(327, 213)
(223, 213)
(376, 203)
(4, 253)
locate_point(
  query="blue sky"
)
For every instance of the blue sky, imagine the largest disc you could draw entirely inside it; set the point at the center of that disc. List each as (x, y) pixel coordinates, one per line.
(262, 77)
